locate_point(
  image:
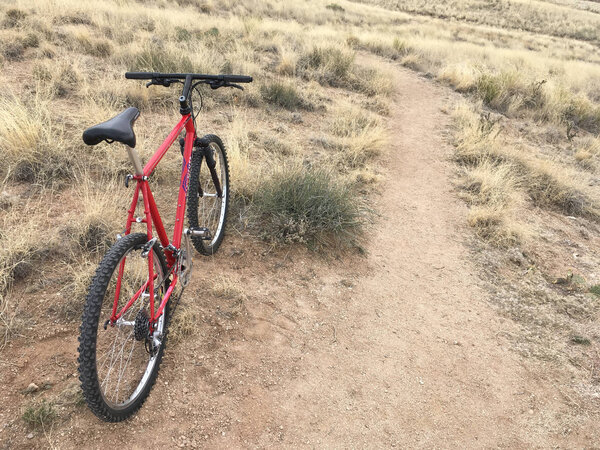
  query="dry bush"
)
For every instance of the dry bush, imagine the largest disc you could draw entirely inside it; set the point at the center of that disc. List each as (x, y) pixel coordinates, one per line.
(587, 151)
(32, 146)
(153, 58)
(285, 95)
(362, 137)
(331, 65)
(57, 78)
(550, 185)
(309, 206)
(492, 191)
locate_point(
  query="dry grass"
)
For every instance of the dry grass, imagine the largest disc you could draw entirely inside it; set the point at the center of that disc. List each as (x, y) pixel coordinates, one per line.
(31, 142)
(498, 173)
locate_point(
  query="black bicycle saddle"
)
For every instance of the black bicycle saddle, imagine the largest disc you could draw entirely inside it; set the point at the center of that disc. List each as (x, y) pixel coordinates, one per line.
(119, 128)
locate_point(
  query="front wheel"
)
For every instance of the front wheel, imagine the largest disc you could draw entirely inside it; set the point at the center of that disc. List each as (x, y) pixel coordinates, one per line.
(208, 194)
(119, 362)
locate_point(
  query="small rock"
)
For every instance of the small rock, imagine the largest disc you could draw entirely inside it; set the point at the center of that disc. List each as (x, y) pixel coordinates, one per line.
(30, 436)
(516, 256)
(31, 388)
(7, 200)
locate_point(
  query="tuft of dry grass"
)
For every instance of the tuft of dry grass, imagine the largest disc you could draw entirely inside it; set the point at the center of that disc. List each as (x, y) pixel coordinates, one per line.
(184, 323)
(32, 147)
(362, 137)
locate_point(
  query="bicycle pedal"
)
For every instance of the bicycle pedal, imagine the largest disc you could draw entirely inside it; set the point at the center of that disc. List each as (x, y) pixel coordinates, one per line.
(201, 232)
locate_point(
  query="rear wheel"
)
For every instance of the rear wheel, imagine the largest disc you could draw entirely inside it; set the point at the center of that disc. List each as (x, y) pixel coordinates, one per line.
(206, 208)
(119, 363)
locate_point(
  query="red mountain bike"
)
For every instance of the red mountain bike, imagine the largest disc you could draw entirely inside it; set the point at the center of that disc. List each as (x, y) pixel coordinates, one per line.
(126, 314)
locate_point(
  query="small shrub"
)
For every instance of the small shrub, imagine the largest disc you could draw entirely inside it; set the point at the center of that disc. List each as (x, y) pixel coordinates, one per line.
(182, 34)
(595, 289)
(101, 49)
(57, 79)
(328, 65)
(212, 32)
(31, 144)
(13, 50)
(335, 7)
(580, 340)
(14, 17)
(548, 186)
(395, 51)
(308, 206)
(31, 40)
(351, 123)
(492, 224)
(147, 24)
(580, 112)
(284, 95)
(74, 18)
(39, 415)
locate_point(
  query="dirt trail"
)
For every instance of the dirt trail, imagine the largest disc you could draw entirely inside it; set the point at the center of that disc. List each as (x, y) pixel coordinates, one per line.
(398, 348)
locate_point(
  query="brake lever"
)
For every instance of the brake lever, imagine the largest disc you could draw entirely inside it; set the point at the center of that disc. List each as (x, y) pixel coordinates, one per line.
(165, 83)
(220, 84)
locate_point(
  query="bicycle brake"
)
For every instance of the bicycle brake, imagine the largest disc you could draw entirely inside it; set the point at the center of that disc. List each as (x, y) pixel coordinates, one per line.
(148, 246)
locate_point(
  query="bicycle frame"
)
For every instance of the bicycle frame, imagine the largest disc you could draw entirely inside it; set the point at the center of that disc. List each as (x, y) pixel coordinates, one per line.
(152, 218)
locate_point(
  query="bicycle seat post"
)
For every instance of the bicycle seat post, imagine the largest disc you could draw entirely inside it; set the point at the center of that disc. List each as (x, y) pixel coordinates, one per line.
(135, 160)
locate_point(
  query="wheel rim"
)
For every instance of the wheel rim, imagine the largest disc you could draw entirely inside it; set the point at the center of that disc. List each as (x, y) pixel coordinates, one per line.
(123, 364)
(211, 208)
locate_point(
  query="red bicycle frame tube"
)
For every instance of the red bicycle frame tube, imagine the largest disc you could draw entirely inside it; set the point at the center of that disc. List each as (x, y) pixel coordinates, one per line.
(152, 218)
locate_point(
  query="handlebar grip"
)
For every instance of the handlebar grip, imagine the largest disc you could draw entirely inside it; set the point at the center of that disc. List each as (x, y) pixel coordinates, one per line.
(237, 78)
(141, 75)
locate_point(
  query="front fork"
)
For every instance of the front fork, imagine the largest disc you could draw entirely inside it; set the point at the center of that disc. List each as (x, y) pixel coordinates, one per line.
(202, 145)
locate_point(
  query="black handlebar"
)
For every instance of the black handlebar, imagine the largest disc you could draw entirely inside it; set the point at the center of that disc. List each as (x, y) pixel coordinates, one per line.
(165, 79)
(183, 76)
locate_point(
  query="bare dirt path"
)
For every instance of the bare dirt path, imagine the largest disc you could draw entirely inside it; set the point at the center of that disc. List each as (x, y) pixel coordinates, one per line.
(398, 348)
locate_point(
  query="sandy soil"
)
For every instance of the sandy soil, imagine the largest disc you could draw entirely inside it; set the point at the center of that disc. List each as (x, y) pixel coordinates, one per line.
(396, 348)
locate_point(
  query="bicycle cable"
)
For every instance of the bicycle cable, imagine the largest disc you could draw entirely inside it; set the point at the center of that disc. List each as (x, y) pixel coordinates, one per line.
(194, 115)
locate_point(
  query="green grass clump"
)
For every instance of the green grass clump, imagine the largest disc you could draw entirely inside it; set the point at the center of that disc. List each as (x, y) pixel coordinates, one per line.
(308, 206)
(595, 289)
(284, 95)
(335, 7)
(580, 340)
(39, 414)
